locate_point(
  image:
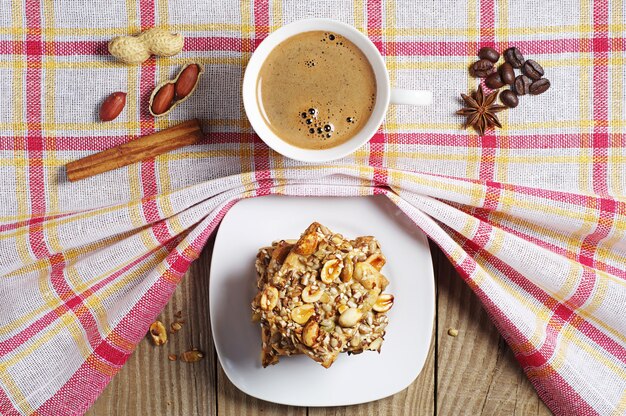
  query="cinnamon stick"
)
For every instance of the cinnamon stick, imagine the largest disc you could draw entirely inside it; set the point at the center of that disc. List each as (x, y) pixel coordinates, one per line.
(143, 148)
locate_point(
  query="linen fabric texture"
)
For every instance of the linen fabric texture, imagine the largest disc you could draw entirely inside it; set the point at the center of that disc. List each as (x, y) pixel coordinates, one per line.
(533, 215)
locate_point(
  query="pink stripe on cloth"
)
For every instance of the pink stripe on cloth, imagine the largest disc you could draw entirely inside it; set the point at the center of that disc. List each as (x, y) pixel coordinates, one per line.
(517, 141)
(534, 47)
(400, 48)
(600, 95)
(377, 143)
(261, 159)
(73, 302)
(212, 43)
(33, 122)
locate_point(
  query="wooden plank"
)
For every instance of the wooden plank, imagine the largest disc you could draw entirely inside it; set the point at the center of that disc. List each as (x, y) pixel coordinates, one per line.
(151, 384)
(477, 372)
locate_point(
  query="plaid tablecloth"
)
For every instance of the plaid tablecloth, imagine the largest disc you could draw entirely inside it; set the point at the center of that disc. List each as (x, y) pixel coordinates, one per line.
(533, 215)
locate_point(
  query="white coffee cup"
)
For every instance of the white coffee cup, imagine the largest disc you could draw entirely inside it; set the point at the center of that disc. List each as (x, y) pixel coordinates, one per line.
(385, 95)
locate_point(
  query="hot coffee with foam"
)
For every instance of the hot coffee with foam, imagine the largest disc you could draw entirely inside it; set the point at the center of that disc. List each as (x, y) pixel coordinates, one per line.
(316, 90)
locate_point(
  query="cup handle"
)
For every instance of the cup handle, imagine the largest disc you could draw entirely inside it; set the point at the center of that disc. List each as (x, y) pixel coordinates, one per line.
(411, 97)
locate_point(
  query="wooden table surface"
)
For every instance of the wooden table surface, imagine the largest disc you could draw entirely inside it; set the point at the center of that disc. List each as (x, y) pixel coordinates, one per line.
(473, 373)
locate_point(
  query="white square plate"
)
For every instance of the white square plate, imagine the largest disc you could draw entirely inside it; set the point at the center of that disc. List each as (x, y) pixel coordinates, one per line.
(298, 380)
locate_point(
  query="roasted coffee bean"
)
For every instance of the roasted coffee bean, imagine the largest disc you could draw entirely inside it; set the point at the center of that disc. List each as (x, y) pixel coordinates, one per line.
(494, 81)
(540, 86)
(509, 98)
(507, 74)
(532, 69)
(514, 57)
(482, 68)
(482, 74)
(522, 85)
(489, 53)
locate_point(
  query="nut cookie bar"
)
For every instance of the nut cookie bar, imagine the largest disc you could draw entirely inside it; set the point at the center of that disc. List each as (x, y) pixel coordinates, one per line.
(320, 295)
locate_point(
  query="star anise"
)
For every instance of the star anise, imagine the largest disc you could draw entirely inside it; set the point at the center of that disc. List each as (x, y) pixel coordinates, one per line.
(481, 110)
